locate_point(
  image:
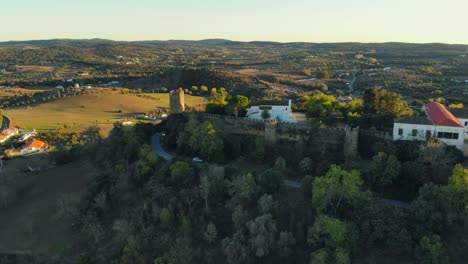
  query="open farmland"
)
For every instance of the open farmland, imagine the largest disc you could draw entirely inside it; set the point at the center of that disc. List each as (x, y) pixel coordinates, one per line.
(75, 113)
(5, 93)
(34, 68)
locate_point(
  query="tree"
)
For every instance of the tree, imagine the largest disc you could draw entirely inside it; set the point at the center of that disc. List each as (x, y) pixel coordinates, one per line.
(328, 232)
(280, 165)
(333, 239)
(271, 180)
(210, 233)
(265, 114)
(220, 96)
(430, 250)
(458, 186)
(243, 187)
(384, 169)
(322, 107)
(236, 249)
(336, 187)
(262, 234)
(432, 209)
(237, 103)
(182, 172)
(204, 88)
(385, 103)
(205, 188)
(205, 139)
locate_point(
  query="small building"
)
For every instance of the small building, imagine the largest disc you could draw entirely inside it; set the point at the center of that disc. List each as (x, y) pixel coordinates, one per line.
(439, 123)
(8, 133)
(280, 112)
(32, 147)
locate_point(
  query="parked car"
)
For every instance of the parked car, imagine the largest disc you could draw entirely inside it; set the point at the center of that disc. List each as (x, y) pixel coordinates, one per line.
(197, 159)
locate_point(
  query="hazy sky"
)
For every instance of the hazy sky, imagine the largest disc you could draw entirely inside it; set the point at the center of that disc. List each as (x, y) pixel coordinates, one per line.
(284, 21)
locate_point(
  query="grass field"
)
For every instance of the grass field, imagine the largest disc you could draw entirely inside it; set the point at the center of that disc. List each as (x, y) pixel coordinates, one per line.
(5, 93)
(34, 68)
(163, 99)
(103, 109)
(30, 224)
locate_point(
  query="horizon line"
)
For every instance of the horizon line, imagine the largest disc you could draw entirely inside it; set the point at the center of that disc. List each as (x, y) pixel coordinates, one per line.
(231, 40)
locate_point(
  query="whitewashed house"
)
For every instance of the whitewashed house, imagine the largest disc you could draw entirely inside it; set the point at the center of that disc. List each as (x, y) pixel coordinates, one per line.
(280, 112)
(439, 123)
(462, 115)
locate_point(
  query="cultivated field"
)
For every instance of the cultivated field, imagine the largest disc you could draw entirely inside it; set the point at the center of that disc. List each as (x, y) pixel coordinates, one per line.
(101, 108)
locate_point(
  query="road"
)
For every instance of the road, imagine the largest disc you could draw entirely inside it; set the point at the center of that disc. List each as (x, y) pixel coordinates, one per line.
(156, 145)
(351, 83)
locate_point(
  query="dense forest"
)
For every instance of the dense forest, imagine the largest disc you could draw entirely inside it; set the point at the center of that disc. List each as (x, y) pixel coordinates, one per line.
(139, 208)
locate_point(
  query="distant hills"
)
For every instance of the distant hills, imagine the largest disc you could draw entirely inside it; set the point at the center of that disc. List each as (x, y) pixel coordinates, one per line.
(351, 46)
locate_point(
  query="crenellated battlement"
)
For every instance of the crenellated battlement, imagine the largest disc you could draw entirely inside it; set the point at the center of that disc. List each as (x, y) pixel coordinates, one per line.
(345, 138)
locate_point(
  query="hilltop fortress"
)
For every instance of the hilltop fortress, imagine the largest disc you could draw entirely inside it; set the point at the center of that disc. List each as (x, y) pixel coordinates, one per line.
(340, 140)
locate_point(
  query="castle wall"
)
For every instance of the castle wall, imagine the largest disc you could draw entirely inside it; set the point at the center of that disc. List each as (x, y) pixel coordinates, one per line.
(344, 140)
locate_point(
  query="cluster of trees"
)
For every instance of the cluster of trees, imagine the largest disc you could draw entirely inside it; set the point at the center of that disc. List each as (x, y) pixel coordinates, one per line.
(223, 103)
(327, 110)
(377, 108)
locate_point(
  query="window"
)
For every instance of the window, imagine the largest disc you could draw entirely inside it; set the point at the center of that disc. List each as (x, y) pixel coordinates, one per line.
(428, 134)
(447, 135)
(400, 131)
(414, 132)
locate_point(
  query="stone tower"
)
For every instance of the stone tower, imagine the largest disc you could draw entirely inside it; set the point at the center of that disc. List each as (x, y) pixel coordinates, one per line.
(177, 101)
(351, 143)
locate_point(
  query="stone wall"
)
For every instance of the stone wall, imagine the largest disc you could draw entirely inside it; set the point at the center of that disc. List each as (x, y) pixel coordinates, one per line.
(344, 140)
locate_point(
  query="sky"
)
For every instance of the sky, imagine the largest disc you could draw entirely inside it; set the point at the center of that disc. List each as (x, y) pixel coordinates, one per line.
(419, 21)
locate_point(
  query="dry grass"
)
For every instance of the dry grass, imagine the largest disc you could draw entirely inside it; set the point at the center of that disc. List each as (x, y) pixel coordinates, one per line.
(30, 224)
(5, 93)
(34, 68)
(163, 99)
(78, 112)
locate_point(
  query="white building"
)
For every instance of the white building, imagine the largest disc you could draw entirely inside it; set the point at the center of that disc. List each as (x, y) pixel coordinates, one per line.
(439, 123)
(462, 115)
(280, 112)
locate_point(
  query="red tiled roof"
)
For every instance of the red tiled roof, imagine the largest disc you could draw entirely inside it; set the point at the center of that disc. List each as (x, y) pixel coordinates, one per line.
(441, 116)
(36, 144)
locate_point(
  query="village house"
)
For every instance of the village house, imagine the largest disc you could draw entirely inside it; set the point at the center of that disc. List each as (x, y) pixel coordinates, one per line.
(32, 147)
(280, 112)
(439, 123)
(8, 133)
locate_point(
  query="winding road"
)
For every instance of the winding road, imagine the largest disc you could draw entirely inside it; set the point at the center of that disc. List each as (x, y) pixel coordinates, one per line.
(156, 145)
